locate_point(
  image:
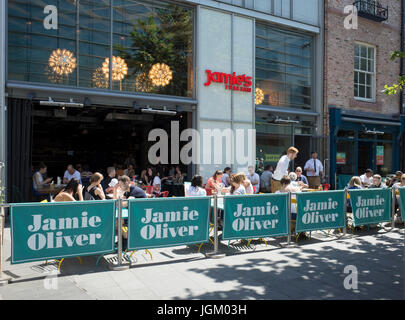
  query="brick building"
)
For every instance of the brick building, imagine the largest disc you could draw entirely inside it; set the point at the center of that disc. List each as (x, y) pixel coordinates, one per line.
(365, 125)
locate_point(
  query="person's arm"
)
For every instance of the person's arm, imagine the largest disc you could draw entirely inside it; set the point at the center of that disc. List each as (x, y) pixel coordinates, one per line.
(321, 174)
(100, 192)
(65, 178)
(80, 192)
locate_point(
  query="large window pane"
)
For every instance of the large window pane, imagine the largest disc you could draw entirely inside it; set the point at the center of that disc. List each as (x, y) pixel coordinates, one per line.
(153, 35)
(77, 53)
(284, 67)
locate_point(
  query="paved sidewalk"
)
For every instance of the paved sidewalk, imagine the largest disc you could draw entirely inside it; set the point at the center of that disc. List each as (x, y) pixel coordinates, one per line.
(314, 270)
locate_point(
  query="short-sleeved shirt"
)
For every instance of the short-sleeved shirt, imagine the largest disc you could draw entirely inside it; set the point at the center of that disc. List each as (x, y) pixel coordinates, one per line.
(40, 180)
(195, 192)
(240, 190)
(365, 180)
(76, 175)
(282, 168)
(135, 192)
(313, 164)
(224, 182)
(265, 179)
(303, 179)
(255, 177)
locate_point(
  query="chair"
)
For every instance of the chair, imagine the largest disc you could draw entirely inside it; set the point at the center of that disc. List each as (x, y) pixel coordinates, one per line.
(163, 194)
(149, 189)
(326, 186)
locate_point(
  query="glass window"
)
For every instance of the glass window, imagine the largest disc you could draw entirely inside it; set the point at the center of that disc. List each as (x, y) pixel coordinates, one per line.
(345, 159)
(284, 67)
(152, 45)
(364, 73)
(155, 40)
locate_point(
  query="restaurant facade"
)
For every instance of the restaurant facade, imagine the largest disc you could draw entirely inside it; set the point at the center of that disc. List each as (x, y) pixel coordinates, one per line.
(215, 66)
(366, 126)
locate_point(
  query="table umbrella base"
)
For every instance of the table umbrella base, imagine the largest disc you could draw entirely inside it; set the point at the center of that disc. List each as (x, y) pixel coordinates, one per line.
(215, 255)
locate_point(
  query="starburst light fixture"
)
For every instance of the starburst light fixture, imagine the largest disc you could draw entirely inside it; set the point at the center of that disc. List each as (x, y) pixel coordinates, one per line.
(100, 79)
(62, 62)
(119, 68)
(259, 96)
(160, 75)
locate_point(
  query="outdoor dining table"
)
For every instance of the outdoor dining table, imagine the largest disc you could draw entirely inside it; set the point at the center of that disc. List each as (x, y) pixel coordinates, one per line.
(51, 190)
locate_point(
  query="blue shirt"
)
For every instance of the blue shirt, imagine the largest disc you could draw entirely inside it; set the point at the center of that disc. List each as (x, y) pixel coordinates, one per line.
(135, 192)
(303, 179)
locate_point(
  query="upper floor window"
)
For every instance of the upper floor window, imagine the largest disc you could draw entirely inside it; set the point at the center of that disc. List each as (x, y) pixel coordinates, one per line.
(364, 72)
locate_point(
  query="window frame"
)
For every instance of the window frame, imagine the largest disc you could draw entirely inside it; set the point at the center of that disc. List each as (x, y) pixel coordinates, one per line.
(373, 74)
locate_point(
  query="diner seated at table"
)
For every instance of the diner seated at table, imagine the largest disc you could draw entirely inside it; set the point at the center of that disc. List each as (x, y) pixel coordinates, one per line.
(395, 179)
(178, 176)
(71, 173)
(287, 187)
(109, 192)
(111, 174)
(237, 184)
(70, 192)
(301, 179)
(95, 190)
(214, 183)
(124, 190)
(247, 184)
(377, 184)
(196, 188)
(130, 171)
(144, 178)
(37, 178)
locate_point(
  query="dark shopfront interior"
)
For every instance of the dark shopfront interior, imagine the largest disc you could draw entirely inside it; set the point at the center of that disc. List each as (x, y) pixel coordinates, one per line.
(97, 136)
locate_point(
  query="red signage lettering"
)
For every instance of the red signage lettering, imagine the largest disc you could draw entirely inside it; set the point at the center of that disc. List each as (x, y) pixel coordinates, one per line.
(231, 81)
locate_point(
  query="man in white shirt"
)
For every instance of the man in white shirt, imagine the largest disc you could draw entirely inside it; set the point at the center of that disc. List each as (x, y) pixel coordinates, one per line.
(71, 173)
(254, 178)
(282, 168)
(314, 169)
(367, 178)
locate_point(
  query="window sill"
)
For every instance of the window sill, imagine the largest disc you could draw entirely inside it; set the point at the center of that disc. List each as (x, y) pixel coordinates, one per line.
(357, 103)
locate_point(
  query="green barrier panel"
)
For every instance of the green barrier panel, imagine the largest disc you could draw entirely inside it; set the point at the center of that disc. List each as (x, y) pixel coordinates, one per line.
(255, 216)
(320, 211)
(402, 202)
(44, 231)
(370, 206)
(167, 222)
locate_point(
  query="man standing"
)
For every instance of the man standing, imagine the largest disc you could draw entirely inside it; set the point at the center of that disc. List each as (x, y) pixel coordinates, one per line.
(282, 168)
(71, 173)
(314, 169)
(254, 178)
(265, 180)
(367, 178)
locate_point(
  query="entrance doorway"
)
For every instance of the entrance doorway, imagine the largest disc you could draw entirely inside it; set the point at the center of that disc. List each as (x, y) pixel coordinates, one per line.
(366, 158)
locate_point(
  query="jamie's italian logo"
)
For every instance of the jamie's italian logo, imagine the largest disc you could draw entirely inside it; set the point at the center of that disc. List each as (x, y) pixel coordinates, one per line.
(231, 81)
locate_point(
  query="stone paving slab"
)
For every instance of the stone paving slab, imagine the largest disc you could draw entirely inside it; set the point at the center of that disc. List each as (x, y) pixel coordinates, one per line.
(314, 270)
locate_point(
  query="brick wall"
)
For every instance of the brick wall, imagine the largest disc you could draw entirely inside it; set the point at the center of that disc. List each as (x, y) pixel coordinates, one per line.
(339, 57)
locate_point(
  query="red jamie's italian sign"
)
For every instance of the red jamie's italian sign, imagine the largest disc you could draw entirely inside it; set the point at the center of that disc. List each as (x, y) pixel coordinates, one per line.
(231, 81)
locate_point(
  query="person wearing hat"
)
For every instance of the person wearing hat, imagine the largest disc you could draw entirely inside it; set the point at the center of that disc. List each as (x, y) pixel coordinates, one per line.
(110, 188)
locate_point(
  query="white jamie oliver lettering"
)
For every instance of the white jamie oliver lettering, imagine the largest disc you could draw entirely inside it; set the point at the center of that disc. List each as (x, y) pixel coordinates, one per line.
(54, 237)
(246, 220)
(157, 224)
(365, 207)
(313, 212)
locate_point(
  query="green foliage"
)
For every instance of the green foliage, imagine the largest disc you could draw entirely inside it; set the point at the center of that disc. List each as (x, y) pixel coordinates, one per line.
(165, 37)
(396, 87)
